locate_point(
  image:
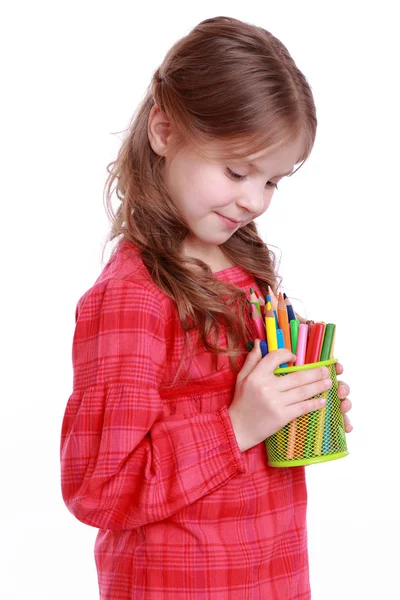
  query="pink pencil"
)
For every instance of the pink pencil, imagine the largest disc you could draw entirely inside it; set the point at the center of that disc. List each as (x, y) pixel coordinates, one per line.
(259, 322)
(300, 357)
(301, 344)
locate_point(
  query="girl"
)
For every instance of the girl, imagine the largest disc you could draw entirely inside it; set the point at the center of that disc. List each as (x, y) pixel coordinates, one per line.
(162, 443)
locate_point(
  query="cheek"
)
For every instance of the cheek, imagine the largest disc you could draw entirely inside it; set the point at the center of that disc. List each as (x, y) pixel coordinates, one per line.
(218, 192)
(267, 202)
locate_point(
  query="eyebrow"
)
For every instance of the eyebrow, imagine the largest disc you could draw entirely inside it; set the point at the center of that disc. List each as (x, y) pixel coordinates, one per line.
(255, 166)
(250, 164)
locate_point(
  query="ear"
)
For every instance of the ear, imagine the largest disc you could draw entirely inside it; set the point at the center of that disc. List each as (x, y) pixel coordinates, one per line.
(158, 130)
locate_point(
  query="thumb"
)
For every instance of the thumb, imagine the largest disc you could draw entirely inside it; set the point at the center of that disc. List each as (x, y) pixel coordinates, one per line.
(274, 359)
(252, 359)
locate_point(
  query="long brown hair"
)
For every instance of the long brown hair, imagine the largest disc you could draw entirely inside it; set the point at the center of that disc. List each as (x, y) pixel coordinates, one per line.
(228, 82)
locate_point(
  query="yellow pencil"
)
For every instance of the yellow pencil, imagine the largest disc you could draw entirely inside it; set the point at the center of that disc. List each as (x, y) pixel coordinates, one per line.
(333, 345)
(270, 326)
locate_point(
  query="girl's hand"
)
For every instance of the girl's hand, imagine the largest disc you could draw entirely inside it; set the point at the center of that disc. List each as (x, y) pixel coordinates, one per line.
(264, 402)
(345, 405)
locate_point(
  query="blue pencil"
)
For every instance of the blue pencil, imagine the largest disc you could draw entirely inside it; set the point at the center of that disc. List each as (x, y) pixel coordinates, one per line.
(281, 344)
(264, 348)
(289, 308)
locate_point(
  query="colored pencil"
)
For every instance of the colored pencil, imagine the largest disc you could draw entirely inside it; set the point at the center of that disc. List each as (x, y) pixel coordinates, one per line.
(323, 414)
(258, 321)
(273, 299)
(289, 308)
(309, 325)
(281, 344)
(270, 326)
(264, 348)
(280, 434)
(320, 339)
(315, 419)
(284, 323)
(268, 299)
(261, 302)
(301, 344)
(295, 450)
(314, 343)
(328, 341)
(333, 345)
(294, 333)
(254, 300)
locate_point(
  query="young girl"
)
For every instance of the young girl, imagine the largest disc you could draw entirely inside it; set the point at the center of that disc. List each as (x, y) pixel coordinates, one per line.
(163, 436)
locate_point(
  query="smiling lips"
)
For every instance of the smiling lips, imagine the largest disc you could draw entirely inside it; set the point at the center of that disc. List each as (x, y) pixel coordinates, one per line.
(229, 219)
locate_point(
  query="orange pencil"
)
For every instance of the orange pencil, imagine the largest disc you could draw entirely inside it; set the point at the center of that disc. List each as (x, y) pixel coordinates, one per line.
(284, 323)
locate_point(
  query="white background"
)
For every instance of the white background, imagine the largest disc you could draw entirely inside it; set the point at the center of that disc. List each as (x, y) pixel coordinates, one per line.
(72, 75)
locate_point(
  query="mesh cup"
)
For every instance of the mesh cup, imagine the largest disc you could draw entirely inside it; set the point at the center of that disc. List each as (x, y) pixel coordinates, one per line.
(318, 436)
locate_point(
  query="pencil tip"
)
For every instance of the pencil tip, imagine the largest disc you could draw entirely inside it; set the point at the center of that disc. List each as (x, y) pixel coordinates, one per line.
(284, 295)
(251, 291)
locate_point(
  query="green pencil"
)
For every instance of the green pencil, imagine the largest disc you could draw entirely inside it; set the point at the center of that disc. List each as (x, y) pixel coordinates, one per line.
(294, 330)
(327, 343)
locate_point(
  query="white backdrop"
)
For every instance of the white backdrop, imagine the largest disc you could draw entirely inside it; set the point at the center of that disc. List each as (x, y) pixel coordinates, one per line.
(73, 73)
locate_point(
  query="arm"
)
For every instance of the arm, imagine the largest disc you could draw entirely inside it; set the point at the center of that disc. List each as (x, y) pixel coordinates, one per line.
(123, 464)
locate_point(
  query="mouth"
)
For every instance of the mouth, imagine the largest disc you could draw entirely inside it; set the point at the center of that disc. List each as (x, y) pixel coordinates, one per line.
(231, 220)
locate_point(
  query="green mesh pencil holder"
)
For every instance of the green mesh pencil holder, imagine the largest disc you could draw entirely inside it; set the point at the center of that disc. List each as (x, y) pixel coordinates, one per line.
(318, 436)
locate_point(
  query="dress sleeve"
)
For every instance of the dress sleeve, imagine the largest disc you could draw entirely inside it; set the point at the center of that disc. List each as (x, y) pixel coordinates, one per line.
(122, 463)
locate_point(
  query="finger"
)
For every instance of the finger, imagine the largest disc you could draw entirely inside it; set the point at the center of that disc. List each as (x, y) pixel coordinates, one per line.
(339, 368)
(276, 358)
(252, 359)
(296, 379)
(345, 405)
(301, 408)
(307, 392)
(347, 425)
(343, 390)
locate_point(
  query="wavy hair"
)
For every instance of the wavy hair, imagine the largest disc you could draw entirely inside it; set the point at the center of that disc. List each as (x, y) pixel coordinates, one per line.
(269, 102)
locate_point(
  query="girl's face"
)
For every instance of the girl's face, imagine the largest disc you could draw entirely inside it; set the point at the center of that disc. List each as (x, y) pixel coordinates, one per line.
(217, 198)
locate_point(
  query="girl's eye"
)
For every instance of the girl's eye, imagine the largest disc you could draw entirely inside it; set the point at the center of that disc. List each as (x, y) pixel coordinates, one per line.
(237, 177)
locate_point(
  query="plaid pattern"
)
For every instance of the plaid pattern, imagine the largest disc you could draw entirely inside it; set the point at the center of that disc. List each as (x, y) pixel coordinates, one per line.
(181, 512)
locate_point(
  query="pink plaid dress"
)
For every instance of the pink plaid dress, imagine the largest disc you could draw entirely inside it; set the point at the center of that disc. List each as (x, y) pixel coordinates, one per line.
(182, 513)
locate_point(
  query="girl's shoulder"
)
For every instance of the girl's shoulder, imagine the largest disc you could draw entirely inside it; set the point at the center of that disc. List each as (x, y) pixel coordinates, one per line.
(126, 264)
(124, 277)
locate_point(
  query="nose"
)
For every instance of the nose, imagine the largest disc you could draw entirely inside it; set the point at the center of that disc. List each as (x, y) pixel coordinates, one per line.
(253, 201)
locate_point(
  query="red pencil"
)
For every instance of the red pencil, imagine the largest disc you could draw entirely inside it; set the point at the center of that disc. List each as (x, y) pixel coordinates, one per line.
(314, 343)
